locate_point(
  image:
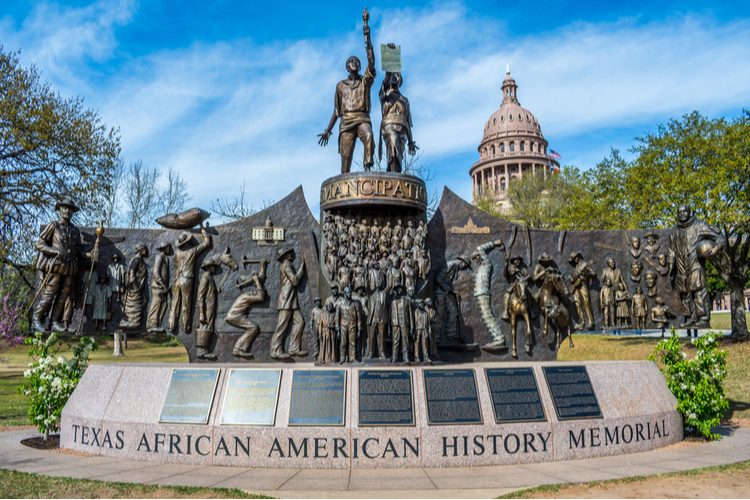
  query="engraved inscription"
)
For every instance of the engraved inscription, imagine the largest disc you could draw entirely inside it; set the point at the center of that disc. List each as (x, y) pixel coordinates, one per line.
(251, 397)
(572, 393)
(189, 396)
(452, 397)
(317, 397)
(515, 396)
(385, 398)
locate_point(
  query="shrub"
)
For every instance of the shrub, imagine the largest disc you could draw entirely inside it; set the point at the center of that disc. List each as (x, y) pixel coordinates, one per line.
(696, 383)
(50, 381)
(10, 315)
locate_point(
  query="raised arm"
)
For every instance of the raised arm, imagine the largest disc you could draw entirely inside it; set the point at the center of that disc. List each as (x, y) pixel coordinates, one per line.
(370, 51)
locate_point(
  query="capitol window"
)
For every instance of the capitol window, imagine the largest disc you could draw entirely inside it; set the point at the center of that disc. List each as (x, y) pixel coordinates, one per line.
(493, 150)
(510, 117)
(502, 118)
(494, 120)
(519, 117)
(512, 146)
(522, 145)
(502, 147)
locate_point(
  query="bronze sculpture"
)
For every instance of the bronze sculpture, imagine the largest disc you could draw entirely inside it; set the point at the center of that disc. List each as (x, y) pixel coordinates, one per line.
(661, 315)
(328, 334)
(132, 304)
(421, 332)
(652, 248)
(446, 298)
(580, 281)
(639, 308)
(607, 303)
(482, 282)
(513, 270)
(401, 324)
(59, 248)
(182, 291)
(552, 290)
(692, 240)
(635, 271)
(116, 273)
(622, 298)
(159, 289)
(650, 278)
(101, 301)
(237, 314)
(315, 314)
(288, 307)
(376, 320)
(612, 273)
(635, 247)
(348, 321)
(395, 127)
(207, 301)
(352, 105)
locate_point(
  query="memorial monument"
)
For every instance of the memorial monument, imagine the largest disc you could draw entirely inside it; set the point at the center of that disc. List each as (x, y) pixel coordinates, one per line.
(386, 294)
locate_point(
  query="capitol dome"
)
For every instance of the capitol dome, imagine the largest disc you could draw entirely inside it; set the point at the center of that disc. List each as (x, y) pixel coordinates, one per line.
(512, 145)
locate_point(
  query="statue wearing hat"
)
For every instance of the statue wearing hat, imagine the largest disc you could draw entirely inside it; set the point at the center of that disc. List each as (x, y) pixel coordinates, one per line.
(159, 289)
(184, 280)
(402, 324)
(446, 298)
(352, 105)
(207, 300)
(59, 249)
(580, 281)
(288, 306)
(132, 304)
(512, 269)
(348, 322)
(691, 242)
(651, 238)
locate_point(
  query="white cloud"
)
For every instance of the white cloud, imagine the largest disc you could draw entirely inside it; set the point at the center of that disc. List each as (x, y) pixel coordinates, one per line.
(224, 111)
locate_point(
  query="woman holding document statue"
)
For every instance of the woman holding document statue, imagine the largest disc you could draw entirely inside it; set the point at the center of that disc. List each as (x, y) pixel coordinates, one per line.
(395, 128)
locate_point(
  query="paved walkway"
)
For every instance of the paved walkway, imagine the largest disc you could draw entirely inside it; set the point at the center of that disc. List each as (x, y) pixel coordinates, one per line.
(466, 482)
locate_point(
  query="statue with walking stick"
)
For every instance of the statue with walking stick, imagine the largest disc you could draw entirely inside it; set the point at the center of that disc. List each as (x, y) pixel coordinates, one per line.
(59, 247)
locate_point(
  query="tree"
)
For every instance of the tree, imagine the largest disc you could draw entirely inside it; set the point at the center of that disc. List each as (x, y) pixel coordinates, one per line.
(239, 207)
(141, 194)
(175, 195)
(49, 146)
(705, 164)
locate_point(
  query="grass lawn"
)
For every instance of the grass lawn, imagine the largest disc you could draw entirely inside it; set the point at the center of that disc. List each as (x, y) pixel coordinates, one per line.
(723, 320)
(22, 485)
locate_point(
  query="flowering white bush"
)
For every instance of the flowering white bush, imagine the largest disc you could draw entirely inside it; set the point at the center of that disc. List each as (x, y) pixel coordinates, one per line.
(696, 383)
(49, 381)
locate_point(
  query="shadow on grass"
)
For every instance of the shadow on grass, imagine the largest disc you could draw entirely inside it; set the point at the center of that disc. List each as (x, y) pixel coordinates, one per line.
(736, 407)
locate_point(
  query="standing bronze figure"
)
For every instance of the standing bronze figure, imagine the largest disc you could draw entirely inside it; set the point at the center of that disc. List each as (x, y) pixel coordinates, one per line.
(59, 248)
(352, 105)
(208, 298)
(348, 321)
(289, 313)
(182, 292)
(159, 289)
(693, 240)
(395, 128)
(580, 281)
(132, 304)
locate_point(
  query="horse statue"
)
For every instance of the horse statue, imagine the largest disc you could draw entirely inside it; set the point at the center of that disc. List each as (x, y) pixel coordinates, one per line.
(518, 305)
(548, 297)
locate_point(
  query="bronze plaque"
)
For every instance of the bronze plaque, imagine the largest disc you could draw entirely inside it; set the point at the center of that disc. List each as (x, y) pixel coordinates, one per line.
(385, 398)
(318, 398)
(571, 392)
(189, 396)
(251, 397)
(515, 395)
(452, 397)
(376, 187)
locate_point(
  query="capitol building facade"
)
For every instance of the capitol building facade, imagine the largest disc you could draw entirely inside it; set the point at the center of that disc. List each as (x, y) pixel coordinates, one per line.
(512, 146)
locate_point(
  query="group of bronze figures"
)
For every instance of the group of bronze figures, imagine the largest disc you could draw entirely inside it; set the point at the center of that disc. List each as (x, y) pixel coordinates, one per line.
(352, 106)
(375, 265)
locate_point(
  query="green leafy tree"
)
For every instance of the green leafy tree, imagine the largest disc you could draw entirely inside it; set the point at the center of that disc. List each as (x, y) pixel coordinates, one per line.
(49, 146)
(705, 164)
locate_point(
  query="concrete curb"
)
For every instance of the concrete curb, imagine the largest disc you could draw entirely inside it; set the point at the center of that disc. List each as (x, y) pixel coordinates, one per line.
(453, 482)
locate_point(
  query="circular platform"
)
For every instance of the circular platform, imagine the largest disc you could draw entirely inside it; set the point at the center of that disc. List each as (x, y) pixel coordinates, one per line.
(372, 189)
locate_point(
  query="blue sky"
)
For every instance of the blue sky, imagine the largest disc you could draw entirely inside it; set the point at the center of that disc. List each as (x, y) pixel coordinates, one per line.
(234, 91)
